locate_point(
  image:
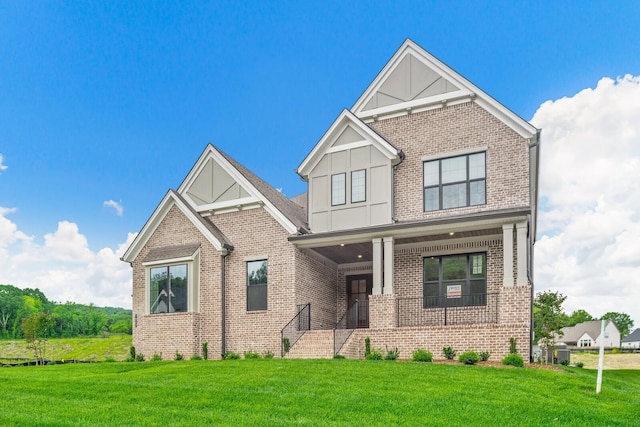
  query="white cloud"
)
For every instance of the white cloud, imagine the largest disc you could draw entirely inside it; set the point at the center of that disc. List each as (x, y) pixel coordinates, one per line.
(115, 205)
(64, 267)
(3, 167)
(589, 223)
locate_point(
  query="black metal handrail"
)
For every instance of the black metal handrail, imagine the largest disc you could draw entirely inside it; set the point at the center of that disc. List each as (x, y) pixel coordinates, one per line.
(442, 311)
(297, 326)
(356, 316)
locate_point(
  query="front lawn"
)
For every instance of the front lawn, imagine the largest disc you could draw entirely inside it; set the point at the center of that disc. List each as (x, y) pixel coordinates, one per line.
(317, 392)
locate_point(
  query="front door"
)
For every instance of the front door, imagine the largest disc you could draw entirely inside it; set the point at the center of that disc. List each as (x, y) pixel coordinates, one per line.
(358, 289)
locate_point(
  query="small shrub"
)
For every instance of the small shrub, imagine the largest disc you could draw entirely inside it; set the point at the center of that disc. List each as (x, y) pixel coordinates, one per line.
(196, 357)
(367, 346)
(579, 365)
(614, 350)
(252, 355)
(139, 357)
(109, 360)
(156, 357)
(422, 355)
(178, 356)
(469, 358)
(230, 355)
(512, 346)
(513, 360)
(449, 353)
(392, 354)
(484, 356)
(268, 354)
(286, 344)
(132, 353)
(129, 359)
(338, 356)
(565, 362)
(205, 350)
(375, 354)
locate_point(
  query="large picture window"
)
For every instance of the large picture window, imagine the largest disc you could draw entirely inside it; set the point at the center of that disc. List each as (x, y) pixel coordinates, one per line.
(168, 289)
(455, 280)
(257, 285)
(454, 182)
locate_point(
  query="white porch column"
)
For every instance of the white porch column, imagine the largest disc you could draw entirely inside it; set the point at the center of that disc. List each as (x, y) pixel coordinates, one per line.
(521, 236)
(388, 265)
(377, 266)
(507, 254)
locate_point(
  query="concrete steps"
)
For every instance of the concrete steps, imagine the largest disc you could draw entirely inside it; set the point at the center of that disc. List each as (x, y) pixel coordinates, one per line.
(313, 345)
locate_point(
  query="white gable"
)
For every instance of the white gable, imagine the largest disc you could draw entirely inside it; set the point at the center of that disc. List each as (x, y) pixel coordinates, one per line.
(414, 80)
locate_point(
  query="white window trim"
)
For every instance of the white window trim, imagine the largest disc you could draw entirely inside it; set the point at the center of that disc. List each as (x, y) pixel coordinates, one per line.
(457, 153)
(193, 280)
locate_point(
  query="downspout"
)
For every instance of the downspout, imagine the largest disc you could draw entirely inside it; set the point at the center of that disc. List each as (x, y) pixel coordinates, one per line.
(223, 324)
(533, 229)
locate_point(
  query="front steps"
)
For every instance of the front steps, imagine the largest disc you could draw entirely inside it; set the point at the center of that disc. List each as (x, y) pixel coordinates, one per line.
(313, 345)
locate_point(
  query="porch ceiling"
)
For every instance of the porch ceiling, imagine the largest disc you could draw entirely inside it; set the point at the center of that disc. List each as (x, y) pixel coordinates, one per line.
(348, 253)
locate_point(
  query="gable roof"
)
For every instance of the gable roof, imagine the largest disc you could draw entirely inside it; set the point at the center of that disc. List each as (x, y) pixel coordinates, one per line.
(359, 134)
(171, 199)
(633, 336)
(171, 252)
(592, 328)
(414, 80)
(290, 215)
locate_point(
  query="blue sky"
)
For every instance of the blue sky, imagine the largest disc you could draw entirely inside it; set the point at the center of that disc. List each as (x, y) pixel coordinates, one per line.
(114, 101)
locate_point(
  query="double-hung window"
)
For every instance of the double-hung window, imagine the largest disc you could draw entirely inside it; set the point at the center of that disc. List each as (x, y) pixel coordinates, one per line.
(257, 285)
(168, 289)
(455, 280)
(454, 182)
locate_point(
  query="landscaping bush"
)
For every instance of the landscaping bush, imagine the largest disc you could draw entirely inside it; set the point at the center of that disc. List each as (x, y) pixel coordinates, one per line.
(252, 355)
(469, 358)
(375, 354)
(178, 356)
(579, 365)
(286, 344)
(422, 355)
(513, 360)
(449, 353)
(367, 347)
(196, 357)
(484, 356)
(110, 359)
(512, 346)
(205, 350)
(139, 357)
(230, 355)
(268, 354)
(338, 356)
(392, 354)
(156, 357)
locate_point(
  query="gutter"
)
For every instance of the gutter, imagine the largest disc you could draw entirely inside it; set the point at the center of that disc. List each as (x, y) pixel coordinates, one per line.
(223, 323)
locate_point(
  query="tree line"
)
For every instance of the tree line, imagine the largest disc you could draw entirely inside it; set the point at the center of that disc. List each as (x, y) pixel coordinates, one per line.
(68, 319)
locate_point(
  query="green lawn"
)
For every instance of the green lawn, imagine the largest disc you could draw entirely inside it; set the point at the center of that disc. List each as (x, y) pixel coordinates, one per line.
(319, 392)
(86, 349)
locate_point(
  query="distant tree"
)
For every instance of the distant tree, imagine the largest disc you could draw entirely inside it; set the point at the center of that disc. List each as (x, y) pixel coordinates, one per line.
(622, 320)
(10, 302)
(36, 329)
(30, 306)
(579, 316)
(547, 318)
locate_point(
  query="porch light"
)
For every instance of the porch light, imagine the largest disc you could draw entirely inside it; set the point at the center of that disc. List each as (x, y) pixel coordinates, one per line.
(359, 256)
(341, 244)
(452, 233)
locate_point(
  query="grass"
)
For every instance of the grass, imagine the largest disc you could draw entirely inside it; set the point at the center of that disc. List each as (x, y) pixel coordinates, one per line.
(86, 349)
(318, 392)
(611, 361)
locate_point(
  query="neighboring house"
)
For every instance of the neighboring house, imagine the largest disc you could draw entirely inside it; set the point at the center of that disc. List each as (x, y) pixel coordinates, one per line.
(632, 340)
(589, 334)
(417, 231)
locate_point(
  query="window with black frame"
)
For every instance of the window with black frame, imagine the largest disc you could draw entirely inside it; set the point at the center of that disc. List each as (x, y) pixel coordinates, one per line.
(257, 285)
(454, 182)
(455, 280)
(168, 289)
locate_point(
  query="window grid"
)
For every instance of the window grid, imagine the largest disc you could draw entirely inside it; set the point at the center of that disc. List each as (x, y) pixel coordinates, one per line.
(338, 189)
(454, 280)
(358, 186)
(447, 185)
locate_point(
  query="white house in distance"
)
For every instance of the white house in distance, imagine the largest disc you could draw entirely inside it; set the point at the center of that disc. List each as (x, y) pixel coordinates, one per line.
(632, 340)
(589, 334)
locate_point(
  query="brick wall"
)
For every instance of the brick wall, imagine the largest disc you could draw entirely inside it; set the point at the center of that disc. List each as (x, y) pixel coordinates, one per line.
(450, 129)
(316, 283)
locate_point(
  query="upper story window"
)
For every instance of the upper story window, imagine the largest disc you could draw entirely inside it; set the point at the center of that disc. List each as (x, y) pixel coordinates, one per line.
(257, 285)
(358, 186)
(168, 289)
(454, 182)
(338, 189)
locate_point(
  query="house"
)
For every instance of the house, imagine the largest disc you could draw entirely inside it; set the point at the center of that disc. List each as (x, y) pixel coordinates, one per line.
(632, 340)
(417, 231)
(589, 334)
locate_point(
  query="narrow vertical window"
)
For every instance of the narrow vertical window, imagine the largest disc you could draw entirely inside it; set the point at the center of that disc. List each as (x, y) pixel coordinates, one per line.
(358, 186)
(338, 189)
(256, 285)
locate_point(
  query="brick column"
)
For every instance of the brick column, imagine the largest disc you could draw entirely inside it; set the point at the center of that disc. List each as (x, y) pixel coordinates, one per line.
(382, 311)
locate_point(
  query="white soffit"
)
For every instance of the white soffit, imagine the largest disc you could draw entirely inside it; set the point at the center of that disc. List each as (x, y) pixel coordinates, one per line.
(346, 124)
(169, 200)
(414, 79)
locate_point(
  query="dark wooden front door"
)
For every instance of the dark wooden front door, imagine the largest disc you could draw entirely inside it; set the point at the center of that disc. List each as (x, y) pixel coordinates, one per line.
(358, 289)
